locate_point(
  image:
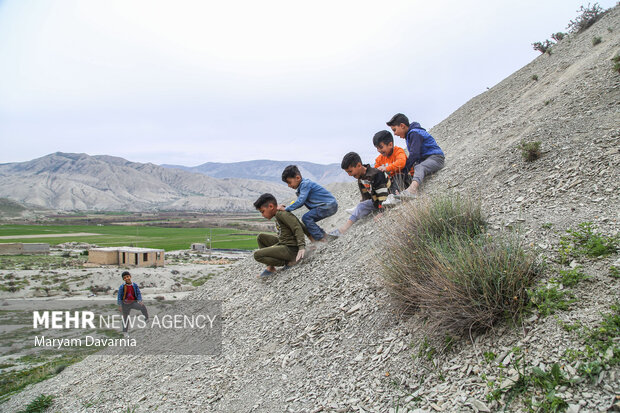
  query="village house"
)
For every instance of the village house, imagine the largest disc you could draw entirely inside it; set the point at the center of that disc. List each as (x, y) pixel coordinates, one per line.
(127, 256)
(18, 248)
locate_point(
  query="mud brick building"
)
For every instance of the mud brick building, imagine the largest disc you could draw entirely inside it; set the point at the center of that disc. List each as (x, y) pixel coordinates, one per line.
(127, 256)
(18, 248)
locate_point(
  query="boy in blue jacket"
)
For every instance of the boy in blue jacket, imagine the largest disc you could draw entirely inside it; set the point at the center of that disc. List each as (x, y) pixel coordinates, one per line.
(129, 297)
(425, 156)
(319, 201)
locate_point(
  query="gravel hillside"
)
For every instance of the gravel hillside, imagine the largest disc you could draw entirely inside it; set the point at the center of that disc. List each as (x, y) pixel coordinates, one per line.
(324, 335)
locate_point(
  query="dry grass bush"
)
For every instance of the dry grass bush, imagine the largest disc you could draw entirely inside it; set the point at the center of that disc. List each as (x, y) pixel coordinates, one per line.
(530, 151)
(438, 259)
(587, 17)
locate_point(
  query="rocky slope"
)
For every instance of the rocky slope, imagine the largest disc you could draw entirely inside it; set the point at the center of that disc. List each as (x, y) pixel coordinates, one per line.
(68, 181)
(267, 170)
(323, 336)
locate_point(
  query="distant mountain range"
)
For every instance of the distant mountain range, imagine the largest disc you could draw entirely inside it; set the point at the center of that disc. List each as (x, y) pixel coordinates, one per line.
(71, 181)
(266, 170)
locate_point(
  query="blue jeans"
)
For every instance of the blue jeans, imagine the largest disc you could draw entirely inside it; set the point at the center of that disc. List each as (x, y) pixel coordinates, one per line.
(362, 209)
(311, 217)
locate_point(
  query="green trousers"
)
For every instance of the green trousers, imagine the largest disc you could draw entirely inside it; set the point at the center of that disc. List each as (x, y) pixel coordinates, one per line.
(272, 253)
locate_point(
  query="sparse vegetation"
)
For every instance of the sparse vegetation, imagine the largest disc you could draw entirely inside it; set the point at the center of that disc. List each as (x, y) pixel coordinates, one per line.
(616, 60)
(543, 47)
(549, 299)
(530, 150)
(596, 40)
(585, 242)
(14, 381)
(535, 78)
(558, 36)
(587, 17)
(535, 387)
(40, 404)
(570, 278)
(438, 259)
(201, 280)
(602, 348)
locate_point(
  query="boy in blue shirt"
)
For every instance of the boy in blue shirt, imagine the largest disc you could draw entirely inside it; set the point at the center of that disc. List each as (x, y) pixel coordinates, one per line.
(425, 156)
(319, 201)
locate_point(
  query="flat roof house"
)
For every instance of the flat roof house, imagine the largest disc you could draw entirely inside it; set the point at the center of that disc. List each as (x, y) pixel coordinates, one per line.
(127, 256)
(18, 248)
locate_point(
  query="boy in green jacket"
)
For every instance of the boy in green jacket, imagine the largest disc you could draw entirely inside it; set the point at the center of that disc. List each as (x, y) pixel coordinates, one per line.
(286, 248)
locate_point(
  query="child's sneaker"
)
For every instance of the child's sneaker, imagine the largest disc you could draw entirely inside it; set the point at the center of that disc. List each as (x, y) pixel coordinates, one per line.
(266, 274)
(406, 196)
(391, 200)
(288, 266)
(335, 233)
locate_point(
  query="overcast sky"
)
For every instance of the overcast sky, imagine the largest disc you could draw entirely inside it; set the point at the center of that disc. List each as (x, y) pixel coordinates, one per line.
(188, 82)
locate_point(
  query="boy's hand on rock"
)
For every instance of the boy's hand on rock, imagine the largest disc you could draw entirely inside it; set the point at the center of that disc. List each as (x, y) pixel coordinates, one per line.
(281, 207)
(378, 216)
(300, 254)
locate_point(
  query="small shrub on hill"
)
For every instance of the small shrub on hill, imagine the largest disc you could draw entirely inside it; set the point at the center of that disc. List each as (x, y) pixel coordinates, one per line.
(548, 300)
(40, 404)
(530, 150)
(570, 278)
(589, 15)
(596, 40)
(543, 47)
(437, 258)
(584, 241)
(535, 78)
(533, 386)
(558, 36)
(601, 349)
(616, 60)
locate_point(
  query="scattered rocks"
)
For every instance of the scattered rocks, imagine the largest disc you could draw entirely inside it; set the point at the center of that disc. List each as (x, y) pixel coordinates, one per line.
(323, 336)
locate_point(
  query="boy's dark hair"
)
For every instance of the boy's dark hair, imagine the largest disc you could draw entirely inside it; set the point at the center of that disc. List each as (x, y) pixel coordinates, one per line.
(383, 137)
(290, 171)
(265, 199)
(124, 274)
(350, 159)
(398, 119)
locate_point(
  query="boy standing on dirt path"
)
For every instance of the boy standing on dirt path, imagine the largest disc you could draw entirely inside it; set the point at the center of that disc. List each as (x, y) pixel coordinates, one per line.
(129, 297)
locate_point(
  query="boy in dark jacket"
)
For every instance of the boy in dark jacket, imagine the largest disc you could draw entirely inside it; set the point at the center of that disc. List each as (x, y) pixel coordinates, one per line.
(425, 156)
(288, 246)
(129, 297)
(319, 201)
(374, 186)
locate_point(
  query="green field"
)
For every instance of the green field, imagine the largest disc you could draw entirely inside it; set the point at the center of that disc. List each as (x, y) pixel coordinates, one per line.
(137, 236)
